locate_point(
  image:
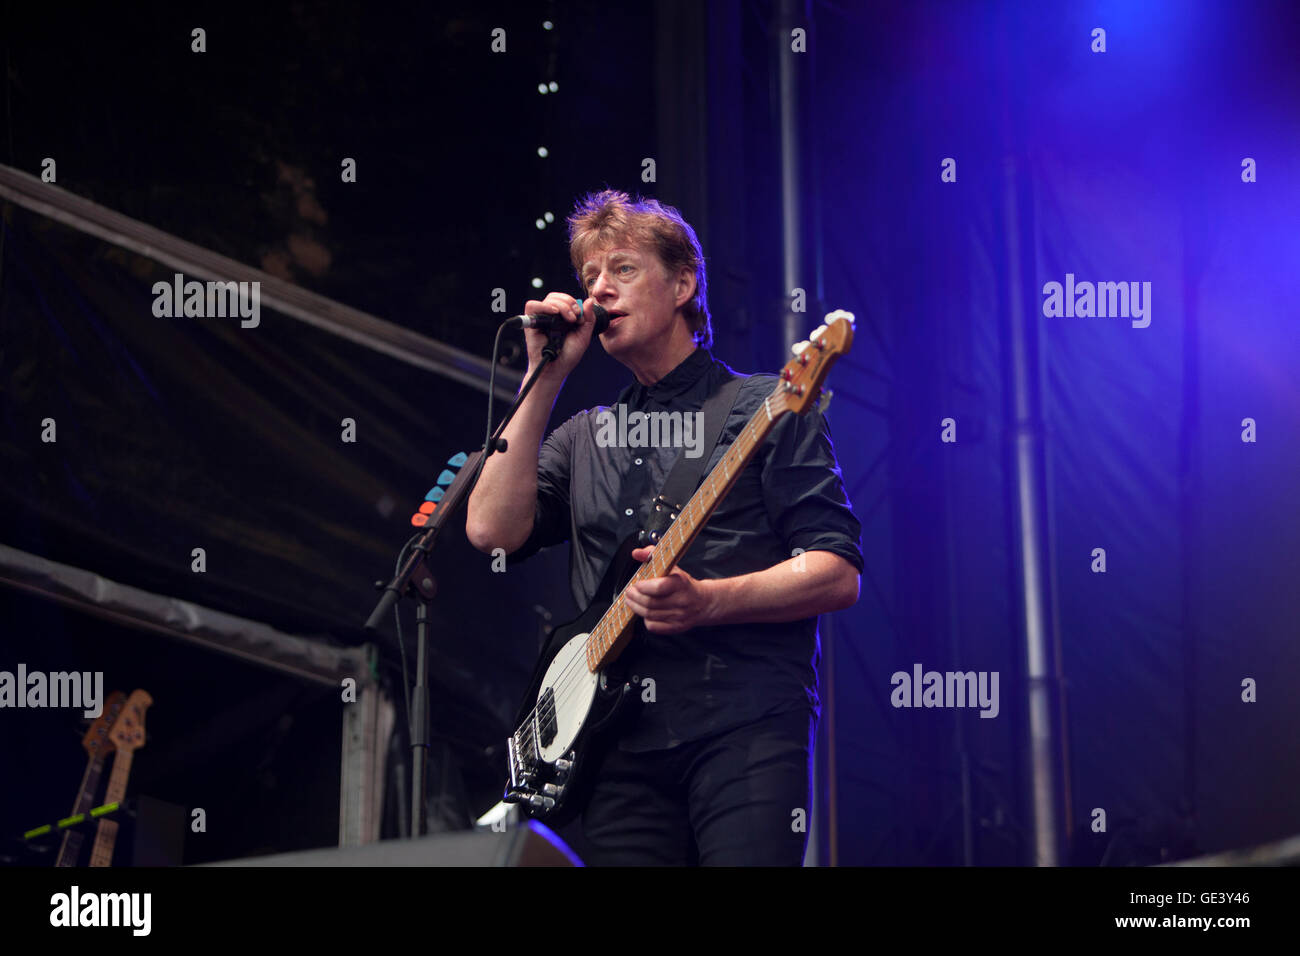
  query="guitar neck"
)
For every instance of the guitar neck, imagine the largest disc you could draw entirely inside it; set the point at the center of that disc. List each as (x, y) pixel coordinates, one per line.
(70, 849)
(615, 628)
(101, 853)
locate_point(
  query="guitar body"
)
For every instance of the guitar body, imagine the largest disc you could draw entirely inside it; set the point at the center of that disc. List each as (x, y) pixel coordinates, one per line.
(569, 713)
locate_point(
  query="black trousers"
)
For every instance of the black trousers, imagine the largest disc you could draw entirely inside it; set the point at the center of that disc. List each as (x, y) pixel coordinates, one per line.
(738, 799)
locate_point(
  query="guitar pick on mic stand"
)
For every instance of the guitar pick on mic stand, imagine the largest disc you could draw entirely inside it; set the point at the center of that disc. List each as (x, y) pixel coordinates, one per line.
(414, 579)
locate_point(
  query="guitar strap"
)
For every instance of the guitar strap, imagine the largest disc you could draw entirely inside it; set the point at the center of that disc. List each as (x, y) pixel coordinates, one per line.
(687, 473)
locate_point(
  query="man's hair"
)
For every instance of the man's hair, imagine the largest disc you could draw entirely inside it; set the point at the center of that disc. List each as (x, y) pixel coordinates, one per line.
(610, 217)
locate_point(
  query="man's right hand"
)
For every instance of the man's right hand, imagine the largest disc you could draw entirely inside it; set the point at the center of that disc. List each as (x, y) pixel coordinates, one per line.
(575, 343)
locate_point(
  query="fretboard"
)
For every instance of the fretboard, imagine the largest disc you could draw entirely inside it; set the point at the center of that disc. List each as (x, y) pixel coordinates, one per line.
(70, 849)
(608, 637)
(101, 853)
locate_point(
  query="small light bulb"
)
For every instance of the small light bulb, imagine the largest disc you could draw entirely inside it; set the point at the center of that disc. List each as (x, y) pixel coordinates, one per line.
(541, 224)
(541, 88)
(553, 85)
(537, 282)
(543, 152)
(549, 216)
(548, 25)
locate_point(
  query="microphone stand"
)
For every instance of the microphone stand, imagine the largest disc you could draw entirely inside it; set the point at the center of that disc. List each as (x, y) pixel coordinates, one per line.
(415, 580)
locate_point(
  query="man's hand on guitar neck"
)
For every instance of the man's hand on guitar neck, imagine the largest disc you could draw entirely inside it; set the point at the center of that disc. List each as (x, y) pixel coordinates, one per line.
(816, 582)
(671, 604)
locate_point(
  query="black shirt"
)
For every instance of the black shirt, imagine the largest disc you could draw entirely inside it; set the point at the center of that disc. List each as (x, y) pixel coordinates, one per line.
(790, 496)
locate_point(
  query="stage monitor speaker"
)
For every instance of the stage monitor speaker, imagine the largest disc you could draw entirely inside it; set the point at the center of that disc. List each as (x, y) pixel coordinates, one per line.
(1280, 853)
(529, 844)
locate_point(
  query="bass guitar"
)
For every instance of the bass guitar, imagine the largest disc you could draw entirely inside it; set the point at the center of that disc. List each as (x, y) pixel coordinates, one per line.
(128, 737)
(98, 746)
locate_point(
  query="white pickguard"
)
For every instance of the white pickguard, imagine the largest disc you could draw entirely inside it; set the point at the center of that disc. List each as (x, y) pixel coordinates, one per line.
(573, 696)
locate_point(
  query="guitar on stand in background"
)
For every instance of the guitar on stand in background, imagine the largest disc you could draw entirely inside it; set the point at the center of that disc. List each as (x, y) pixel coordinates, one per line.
(127, 736)
(98, 745)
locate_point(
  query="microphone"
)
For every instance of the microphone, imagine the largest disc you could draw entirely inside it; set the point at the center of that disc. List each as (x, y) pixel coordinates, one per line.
(550, 322)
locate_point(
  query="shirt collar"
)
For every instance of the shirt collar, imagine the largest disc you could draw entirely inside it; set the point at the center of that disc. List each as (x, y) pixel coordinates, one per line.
(679, 380)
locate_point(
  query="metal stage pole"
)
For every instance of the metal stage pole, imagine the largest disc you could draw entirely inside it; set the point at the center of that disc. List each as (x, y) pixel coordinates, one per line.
(1027, 475)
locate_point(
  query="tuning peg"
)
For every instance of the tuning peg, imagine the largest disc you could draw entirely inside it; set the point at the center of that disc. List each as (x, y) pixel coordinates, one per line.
(818, 333)
(840, 314)
(798, 347)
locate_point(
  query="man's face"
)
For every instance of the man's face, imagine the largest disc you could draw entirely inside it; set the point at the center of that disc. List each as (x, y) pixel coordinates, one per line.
(631, 283)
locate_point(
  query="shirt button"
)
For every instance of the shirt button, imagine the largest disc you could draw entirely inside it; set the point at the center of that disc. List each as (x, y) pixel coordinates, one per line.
(638, 461)
(628, 512)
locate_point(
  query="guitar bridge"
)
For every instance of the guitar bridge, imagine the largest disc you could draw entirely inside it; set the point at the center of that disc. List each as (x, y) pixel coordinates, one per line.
(525, 772)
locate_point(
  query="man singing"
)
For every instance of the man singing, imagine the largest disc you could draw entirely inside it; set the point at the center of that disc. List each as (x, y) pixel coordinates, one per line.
(716, 769)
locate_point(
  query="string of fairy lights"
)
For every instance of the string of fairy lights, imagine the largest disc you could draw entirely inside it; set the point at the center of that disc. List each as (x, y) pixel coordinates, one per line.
(547, 87)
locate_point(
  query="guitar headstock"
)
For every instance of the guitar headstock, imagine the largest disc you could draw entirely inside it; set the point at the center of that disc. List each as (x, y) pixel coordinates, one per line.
(803, 376)
(97, 742)
(128, 731)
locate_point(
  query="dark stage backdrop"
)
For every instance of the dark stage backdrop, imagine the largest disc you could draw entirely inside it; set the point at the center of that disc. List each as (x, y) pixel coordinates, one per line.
(1123, 165)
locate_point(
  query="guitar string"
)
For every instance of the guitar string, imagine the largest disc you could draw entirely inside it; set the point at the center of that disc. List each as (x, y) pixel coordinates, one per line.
(570, 680)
